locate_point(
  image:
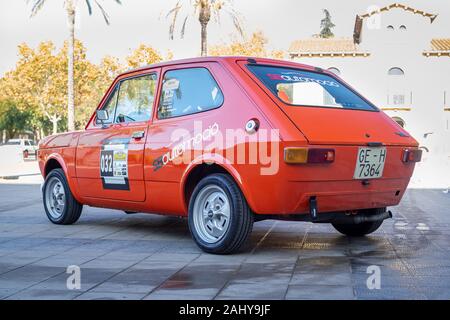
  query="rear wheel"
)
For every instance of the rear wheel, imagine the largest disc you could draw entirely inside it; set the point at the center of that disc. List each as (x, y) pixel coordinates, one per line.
(59, 204)
(359, 229)
(220, 220)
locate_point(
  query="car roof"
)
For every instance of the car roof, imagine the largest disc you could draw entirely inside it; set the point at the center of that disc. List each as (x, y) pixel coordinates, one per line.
(221, 59)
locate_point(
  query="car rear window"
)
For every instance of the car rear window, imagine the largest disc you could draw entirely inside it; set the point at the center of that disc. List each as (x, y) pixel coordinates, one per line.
(188, 91)
(305, 88)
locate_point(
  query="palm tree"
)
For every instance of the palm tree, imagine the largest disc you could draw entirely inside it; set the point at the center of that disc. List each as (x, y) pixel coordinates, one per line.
(203, 9)
(70, 6)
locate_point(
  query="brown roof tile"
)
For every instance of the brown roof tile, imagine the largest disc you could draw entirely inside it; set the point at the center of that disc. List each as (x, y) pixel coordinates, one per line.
(442, 44)
(397, 5)
(323, 45)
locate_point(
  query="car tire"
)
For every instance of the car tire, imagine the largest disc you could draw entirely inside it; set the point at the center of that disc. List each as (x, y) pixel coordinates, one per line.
(59, 204)
(359, 229)
(220, 220)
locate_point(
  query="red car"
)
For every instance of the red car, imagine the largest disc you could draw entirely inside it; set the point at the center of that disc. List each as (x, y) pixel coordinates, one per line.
(229, 141)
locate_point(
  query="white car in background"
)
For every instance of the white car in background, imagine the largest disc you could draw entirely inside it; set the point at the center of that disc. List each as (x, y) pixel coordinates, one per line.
(25, 147)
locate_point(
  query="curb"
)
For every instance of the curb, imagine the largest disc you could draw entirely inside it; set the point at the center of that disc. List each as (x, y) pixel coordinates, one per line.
(17, 176)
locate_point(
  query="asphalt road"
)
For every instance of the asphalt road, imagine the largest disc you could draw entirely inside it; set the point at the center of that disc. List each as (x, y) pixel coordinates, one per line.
(153, 257)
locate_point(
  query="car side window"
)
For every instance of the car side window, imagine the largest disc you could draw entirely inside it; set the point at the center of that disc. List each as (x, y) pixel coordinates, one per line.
(135, 100)
(110, 106)
(188, 91)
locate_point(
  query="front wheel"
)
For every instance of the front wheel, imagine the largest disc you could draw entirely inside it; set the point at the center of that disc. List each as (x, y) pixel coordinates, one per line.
(359, 229)
(59, 204)
(220, 220)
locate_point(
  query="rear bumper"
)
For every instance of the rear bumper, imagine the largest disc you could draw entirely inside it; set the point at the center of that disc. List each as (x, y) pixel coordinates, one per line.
(333, 196)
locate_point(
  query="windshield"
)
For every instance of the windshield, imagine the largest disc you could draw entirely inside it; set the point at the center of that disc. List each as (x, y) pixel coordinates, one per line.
(305, 88)
(13, 143)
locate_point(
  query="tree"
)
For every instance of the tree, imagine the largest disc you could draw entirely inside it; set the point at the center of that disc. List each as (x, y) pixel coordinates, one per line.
(12, 119)
(38, 83)
(326, 25)
(142, 56)
(255, 46)
(70, 6)
(203, 10)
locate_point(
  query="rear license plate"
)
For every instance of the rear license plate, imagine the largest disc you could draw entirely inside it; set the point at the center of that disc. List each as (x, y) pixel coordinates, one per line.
(370, 163)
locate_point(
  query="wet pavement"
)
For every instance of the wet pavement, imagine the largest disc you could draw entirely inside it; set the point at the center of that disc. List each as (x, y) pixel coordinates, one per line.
(153, 257)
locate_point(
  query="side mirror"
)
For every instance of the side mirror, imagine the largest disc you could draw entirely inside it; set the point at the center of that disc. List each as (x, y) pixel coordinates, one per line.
(102, 115)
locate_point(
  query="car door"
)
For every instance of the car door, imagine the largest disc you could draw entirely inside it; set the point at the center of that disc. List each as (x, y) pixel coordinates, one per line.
(188, 107)
(110, 155)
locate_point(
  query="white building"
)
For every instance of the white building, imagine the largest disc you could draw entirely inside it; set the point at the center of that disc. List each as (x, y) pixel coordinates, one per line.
(394, 60)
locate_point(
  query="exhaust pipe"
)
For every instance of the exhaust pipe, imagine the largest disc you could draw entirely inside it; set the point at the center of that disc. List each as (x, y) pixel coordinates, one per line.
(363, 217)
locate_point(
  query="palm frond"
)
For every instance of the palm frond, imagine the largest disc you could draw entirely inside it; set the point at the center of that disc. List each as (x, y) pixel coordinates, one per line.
(196, 6)
(36, 6)
(176, 8)
(183, 28)
(104, 13)
(236, 21)
(174, 13)
(88, 4)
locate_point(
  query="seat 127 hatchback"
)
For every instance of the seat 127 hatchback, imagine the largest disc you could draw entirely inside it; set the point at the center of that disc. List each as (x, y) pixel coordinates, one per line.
(230, 141)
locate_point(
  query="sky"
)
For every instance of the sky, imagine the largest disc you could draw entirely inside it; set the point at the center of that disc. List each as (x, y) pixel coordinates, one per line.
(144, 21)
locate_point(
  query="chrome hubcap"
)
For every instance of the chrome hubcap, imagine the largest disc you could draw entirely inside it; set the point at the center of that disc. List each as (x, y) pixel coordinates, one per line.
(55, 197)
(211, 213)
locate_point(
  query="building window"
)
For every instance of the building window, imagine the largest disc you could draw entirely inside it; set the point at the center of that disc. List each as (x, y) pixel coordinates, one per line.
(390, 28)
(398, 99)
(397, 89)
(446, 101)
(396, 72)
(400, 121)
(402, 28)
(334, 70)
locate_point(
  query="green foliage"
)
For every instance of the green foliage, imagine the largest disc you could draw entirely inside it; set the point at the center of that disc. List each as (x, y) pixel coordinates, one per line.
(38, 83)
(326, 25)
(13, 119)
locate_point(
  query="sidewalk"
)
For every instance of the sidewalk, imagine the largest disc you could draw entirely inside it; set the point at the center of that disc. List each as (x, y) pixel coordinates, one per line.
(13, 169)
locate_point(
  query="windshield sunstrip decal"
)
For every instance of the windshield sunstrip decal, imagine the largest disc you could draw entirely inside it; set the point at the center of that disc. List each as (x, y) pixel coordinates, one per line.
(298, 77)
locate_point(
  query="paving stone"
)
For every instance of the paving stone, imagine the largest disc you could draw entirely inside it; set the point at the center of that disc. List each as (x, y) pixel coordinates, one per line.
(109, 296)
(341, 279)
(321, 292)
(252, 290)
(153, 257)
(44, 295)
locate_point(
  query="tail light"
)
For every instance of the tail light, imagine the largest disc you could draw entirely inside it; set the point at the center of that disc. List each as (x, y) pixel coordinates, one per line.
(412, 155)
(306, 155)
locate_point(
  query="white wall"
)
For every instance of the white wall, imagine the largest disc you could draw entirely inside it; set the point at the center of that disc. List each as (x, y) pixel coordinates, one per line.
(426, 77)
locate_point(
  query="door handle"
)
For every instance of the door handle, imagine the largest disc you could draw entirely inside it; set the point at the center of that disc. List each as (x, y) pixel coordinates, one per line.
(138, 135)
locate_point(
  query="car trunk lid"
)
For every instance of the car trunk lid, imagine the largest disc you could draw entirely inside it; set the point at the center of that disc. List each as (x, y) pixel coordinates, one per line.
(346, 127)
